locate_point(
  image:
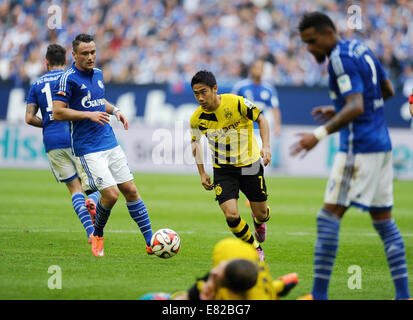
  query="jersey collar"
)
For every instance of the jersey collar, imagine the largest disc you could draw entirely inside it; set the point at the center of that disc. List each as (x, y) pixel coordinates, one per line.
(86, 73)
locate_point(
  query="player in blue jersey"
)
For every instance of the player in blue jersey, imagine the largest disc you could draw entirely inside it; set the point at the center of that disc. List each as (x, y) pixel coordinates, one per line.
(79, 97)
(56, 136)
(265, 97)
(362, 173)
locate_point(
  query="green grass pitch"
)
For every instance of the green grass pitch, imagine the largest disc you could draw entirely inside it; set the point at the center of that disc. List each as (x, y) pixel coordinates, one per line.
(39, 229)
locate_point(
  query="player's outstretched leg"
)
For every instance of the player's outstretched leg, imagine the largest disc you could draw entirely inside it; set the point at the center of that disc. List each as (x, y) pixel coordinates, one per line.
(78, 202)
(102, 216)
(395, 254)
(241, 230)
(139, 214)
(90, 204)
(328, 227)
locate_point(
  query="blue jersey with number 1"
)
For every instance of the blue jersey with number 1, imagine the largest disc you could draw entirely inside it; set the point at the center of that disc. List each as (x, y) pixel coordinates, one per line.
(354, 69)
(56, 134)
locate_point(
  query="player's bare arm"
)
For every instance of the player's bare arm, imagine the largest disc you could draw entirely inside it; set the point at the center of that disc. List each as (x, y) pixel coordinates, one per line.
(265, 137)
(31, 117)
(353, 108)
(62, 113)
(387, 90)
(277, 121)
(323, 113)
(197, 152)
(111, 109)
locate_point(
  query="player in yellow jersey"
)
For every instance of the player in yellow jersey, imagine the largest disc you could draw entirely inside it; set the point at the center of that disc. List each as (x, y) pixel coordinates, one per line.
(237, 274)
(227, 122)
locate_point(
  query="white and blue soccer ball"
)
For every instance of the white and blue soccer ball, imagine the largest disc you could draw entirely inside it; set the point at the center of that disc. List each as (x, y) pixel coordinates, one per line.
(165, 243)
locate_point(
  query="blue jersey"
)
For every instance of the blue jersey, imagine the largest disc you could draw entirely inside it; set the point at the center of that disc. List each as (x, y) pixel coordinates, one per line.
(84, 91)
(56, 134)
(354, 69)
(263, 95)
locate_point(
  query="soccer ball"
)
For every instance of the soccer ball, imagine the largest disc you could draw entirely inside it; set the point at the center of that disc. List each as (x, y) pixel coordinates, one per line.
(165, 243)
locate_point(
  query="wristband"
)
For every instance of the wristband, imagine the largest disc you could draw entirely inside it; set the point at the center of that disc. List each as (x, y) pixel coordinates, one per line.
(320, 132)
(411, 98)
(115, 110)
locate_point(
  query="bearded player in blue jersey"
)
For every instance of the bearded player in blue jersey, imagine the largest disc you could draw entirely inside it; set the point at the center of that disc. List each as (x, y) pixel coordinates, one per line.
(362, 173)
(56, 137)
(79, 97)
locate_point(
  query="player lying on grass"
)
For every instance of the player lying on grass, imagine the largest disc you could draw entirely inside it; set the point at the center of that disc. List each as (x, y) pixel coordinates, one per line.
(237, 274)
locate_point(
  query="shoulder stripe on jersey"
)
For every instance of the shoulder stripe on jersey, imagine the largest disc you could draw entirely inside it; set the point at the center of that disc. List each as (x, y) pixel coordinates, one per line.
(336, 61)
(351, 47)
(240, 84)
(63, 80)
(208, 116)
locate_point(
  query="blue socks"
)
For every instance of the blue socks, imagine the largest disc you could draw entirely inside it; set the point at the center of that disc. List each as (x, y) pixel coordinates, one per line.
(95, 196)
(395, 254)
(328, 227)
(78, 202)
(102, 216)
(139, 214)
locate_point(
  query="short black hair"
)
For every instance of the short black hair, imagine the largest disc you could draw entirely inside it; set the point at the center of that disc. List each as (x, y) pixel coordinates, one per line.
(205, 77)
(83, 37)
(316, 19)
(240, 275)
(56, 55)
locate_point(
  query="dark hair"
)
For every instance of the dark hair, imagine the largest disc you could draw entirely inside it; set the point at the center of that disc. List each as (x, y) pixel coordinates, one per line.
(316, 19)
(205, 77)
(83, 37)
(56, 55)
(240, 275)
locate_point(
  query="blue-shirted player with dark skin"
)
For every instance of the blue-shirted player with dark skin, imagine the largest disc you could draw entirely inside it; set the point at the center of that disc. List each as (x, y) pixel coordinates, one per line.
(79, 97)
(362, 173)
(56, 136)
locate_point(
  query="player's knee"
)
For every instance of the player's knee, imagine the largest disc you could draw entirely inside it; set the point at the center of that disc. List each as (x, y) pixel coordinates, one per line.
(231, 215)
(109, 197)
(130, 193)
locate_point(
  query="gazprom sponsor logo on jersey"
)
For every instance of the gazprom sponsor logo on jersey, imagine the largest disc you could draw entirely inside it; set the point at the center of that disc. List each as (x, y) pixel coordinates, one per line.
(88, 103)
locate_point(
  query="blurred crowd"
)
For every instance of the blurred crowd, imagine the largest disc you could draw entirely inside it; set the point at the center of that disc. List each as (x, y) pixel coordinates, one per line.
(167, 41)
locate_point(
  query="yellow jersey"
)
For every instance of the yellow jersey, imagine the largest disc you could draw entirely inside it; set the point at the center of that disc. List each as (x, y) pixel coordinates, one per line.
(233, 248)
(229, 131)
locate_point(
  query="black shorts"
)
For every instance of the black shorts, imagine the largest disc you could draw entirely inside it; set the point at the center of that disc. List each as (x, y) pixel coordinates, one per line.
(228, 180)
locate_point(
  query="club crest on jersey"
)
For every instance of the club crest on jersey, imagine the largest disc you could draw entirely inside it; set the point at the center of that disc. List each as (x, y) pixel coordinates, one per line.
(227, 113)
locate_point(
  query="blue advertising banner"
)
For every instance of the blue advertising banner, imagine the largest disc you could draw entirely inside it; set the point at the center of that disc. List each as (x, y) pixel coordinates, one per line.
(166, 104)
